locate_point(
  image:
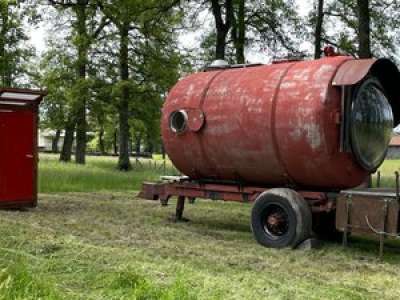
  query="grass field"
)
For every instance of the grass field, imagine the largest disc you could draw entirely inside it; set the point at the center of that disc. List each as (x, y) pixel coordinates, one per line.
(100, 174)
(105, 243)
(387, 173)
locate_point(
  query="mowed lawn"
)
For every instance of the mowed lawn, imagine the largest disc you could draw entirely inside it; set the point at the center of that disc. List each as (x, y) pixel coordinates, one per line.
(92, 238)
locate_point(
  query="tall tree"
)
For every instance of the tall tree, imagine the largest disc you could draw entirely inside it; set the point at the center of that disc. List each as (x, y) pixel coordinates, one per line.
(14, 53)
(272, 26)
(4, 67)
(122, 14)
(124, 162)
(222, 26)
(364, 29)
(367, 27)
(143, 19)
(57, 75)
(318, 28)
(85, 14)
(82, 42)
(239, 30)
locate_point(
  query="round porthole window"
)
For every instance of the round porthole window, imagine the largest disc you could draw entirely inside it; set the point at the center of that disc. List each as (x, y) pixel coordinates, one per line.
(371, 124)
(178, 121)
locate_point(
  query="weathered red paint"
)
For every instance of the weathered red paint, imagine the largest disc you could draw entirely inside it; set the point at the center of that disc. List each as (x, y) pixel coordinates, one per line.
(271, 125)
(18, 150)
(319, 201)
(352, 71)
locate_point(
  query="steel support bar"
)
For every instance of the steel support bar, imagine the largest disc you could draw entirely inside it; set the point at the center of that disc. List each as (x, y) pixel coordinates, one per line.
(180, 207)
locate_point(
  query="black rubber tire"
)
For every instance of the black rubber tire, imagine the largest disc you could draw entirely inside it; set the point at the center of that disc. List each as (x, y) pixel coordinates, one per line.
(297, 213)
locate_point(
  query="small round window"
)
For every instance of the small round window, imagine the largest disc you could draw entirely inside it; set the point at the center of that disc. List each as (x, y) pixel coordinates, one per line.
(178, 121)
(371, 125)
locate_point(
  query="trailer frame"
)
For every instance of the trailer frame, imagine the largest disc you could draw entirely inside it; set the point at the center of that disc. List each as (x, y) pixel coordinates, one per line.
(183, 187)
(363, 211)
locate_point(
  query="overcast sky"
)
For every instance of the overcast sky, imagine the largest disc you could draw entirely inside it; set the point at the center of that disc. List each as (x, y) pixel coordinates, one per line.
(39, 34)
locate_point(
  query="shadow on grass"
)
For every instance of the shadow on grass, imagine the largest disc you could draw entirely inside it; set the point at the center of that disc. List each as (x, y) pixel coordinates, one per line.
(221, 225)
(367, 248)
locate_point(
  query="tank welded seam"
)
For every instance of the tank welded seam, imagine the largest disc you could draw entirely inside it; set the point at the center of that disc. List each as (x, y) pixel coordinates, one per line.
(337, 70)
(200, 139)
(207, 88)
(273, 126)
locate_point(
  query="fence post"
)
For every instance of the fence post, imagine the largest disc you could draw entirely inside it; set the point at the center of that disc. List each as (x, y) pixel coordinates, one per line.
(378, 179)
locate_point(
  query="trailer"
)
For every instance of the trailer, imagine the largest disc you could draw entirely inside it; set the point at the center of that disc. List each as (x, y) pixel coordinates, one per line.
(294, 137)
(283, 217)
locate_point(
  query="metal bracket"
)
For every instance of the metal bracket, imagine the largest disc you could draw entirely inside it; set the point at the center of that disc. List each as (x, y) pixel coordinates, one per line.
(382, 234)
(347, 228)
(397, 186)
(213, 195)
(246, 198)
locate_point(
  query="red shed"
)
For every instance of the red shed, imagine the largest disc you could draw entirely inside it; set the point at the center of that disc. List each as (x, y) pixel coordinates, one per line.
(18, 148)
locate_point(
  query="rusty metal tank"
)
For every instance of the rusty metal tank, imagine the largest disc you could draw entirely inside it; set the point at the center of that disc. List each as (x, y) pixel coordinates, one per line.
(322, 124)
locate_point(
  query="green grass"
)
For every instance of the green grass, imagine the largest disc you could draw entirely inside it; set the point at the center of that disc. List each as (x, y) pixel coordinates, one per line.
(98, 244)
(116, 246)
(387, 170)
(100, 174)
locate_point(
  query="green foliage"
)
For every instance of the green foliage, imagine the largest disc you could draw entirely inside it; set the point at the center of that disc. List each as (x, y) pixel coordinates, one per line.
(384, 26)
(153, 62)
(273, 27)
(87, 41)
(58, 77)
(15, 54)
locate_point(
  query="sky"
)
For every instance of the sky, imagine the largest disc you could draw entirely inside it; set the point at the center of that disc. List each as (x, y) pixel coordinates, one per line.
(39, 34)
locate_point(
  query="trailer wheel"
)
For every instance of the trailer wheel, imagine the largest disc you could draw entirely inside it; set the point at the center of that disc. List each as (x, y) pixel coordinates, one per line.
(281, 218)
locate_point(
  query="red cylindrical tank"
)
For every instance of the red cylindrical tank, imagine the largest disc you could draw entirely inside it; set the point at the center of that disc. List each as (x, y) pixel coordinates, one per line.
(271, 125)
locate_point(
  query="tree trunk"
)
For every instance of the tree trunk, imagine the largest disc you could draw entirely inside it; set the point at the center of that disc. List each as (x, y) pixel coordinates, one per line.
(66, 152)
(81, 127)
(318, 30)
(364, 50)
(102, 146)
(239, 32)
(138, 144)
(115, 142)
(221, 45)
(124, 163)
(55, 141)
(4, 69)
(149, 145)
(222, 28)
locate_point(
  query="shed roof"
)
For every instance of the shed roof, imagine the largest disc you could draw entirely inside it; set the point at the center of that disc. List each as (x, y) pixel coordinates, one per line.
(12, 96)
(395, 141)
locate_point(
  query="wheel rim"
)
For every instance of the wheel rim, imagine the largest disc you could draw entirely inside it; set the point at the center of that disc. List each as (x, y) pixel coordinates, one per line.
(275, 221)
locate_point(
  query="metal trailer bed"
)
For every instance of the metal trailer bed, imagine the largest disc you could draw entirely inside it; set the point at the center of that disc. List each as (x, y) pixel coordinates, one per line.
(363, 211)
